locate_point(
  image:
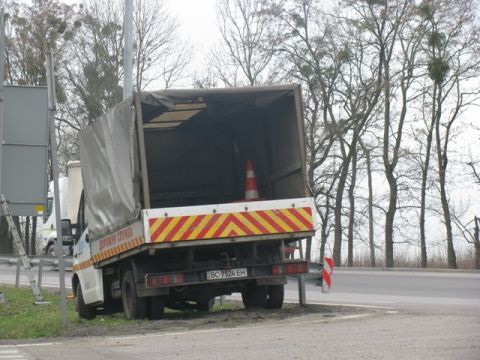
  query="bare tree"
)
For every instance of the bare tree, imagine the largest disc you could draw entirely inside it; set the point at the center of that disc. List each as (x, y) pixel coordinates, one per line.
(248, 45)
(453, 47)
(160, 54)
(371, 234)
(351, 215)
(97, 52)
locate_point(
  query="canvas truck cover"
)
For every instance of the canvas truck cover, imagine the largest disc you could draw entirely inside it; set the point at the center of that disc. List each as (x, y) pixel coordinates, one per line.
(109, 147)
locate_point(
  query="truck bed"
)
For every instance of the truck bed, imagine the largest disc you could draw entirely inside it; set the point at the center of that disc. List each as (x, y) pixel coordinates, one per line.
(209, 224)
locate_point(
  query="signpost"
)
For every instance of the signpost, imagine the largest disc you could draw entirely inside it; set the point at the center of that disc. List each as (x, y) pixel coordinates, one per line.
(26, 116)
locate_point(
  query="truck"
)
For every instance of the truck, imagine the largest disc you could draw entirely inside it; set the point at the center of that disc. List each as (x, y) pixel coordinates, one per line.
(189, 195)
(70, 189)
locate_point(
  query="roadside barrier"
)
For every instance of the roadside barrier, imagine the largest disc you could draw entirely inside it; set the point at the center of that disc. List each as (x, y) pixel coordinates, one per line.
(327, 272)
(39, 261)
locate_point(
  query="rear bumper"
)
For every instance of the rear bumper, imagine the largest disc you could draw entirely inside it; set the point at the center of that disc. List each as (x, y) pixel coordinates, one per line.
(247, 273)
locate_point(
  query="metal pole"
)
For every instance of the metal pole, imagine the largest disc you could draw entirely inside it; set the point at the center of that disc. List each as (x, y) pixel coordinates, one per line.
(2, 89)
(40, 273)
(17, 276)
(128, 50)
(302, 298)
(53, 152)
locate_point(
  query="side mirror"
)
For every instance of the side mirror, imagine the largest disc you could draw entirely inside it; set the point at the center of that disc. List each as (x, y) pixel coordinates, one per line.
(67, 227)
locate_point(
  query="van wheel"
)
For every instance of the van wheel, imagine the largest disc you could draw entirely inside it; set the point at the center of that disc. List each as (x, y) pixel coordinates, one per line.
(255, 296)
(83, 310)
(134, 307)
(275, 296)
(156, 307)
(51, 250)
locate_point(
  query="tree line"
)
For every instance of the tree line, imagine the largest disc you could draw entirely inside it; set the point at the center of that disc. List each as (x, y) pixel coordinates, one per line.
(388, 86)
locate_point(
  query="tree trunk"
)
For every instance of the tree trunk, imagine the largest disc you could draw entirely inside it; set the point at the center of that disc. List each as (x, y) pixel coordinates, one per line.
(389, 220)
(351, 215)
(476, 242)
(34, 235)
(338, 230)
(27, 236)
(423, 201)
(324, 228)
(442, 158)
(371, 242)
(389, 168)
(308, 248)
(6, 244)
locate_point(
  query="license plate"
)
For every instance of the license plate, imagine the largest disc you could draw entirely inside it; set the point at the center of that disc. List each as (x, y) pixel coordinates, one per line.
(226, 274)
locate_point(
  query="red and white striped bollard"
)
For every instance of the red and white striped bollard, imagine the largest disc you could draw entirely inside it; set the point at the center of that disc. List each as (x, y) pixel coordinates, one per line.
(327, 272)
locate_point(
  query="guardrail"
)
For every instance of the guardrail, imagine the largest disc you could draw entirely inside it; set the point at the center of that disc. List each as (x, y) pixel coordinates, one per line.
(40, 261)
(35, 260)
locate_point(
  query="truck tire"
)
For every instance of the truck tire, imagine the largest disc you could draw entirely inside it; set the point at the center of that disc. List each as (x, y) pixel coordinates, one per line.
(51, 250)
(134, 307)
(83, 310)
(156, 307)
(205, 306)
(255, 296)
(275, 296)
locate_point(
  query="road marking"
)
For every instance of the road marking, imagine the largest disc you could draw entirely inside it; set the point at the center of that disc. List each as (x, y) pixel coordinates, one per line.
(351, 305)
(206, 331)
(391, 312)
(11, 354)
(31, 345)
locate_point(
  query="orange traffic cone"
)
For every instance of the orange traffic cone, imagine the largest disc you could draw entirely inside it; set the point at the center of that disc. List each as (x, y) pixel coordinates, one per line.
(251, 191)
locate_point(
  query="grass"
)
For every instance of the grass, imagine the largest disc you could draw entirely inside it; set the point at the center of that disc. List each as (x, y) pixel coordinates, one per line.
(20, 319)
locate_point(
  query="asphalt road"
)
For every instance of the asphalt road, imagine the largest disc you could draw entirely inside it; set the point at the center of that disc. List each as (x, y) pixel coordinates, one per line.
(401, 315)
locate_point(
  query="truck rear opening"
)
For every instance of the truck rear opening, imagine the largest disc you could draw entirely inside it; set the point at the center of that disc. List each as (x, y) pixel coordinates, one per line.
(196, 152)
(191, 194)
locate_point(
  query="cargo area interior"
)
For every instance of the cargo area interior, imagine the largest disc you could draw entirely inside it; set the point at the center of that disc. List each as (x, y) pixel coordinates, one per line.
(196, 152)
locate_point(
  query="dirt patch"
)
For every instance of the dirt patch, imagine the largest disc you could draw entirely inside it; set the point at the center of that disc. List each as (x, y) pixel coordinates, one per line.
(234, 316)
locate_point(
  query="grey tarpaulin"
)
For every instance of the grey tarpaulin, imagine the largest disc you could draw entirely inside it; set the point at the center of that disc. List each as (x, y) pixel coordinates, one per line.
(108, 147)
(107, 153)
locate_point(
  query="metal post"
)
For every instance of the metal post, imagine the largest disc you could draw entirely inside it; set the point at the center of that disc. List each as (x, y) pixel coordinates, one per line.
(128, 49)
(302, 298)
(17, 276)
(40, 273)
(2, 88)
(53, 152)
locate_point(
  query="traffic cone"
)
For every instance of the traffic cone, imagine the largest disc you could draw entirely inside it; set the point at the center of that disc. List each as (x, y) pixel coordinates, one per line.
(251, 191)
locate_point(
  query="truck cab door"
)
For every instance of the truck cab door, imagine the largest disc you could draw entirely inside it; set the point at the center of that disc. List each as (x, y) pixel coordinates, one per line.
(90, 278)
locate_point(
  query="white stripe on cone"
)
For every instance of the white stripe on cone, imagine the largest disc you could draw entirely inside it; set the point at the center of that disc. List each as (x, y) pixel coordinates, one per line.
(251, 194)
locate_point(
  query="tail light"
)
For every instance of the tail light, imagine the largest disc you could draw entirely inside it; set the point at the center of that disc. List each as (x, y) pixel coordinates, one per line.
(155, 280)
(290, 268)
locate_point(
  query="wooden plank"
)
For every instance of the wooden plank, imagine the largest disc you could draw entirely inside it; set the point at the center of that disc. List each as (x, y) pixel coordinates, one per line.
(143, 155)
(173, 116)
(190, 106)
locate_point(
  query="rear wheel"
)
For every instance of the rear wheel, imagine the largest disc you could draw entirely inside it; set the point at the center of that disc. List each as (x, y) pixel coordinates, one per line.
(134, 307)
(83, 310)
(51, 250)
(275, 296)
(255, 296)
